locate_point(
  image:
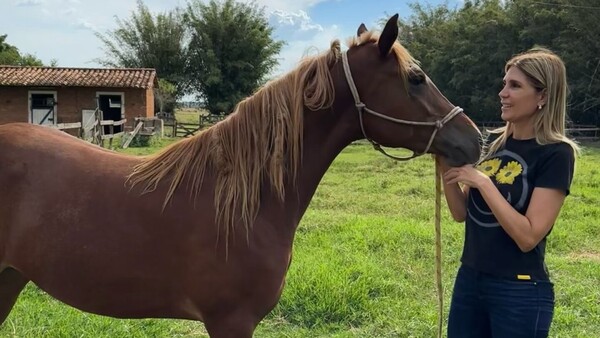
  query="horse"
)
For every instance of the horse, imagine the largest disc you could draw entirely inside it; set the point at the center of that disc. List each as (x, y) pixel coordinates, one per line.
(203, 229)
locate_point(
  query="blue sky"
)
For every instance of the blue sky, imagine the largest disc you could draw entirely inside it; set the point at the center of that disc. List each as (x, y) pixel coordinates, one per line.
(64, 29)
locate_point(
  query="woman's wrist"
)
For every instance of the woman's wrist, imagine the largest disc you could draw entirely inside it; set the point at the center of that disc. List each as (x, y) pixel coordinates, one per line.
(484, 183)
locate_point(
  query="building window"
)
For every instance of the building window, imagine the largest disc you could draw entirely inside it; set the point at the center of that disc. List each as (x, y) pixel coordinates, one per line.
(40, 101)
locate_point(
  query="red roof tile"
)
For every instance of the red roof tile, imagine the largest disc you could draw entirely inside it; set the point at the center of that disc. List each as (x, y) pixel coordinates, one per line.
(77, 77)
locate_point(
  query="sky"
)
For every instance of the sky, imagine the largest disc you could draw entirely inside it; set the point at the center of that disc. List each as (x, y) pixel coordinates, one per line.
(64, 30)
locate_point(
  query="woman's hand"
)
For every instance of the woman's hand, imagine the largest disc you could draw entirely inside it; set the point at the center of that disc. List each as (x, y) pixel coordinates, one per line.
(467, 175)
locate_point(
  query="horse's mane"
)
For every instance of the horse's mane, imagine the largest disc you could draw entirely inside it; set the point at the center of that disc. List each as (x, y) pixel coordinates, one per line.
(261, 139)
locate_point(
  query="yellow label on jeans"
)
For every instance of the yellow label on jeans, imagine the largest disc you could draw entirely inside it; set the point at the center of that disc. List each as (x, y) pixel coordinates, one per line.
(524, 277)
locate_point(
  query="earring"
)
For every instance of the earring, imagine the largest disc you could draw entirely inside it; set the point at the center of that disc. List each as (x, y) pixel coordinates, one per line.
(539, 107)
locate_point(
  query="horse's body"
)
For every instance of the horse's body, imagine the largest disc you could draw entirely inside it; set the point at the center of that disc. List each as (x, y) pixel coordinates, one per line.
(75, 220)
(70, 225)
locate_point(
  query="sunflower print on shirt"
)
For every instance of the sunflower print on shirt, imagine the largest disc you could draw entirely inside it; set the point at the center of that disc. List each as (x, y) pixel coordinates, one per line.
(506, 175)
(490, 167)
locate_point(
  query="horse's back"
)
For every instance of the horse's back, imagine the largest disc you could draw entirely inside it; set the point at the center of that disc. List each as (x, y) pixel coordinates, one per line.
(47, 176)
(28, 138)
(71, 224)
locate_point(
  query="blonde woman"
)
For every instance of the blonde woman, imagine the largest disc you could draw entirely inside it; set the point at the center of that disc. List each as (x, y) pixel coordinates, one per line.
(509, 203)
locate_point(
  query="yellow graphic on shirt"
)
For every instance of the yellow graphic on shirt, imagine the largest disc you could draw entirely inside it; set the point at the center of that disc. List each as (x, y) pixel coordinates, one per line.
(507, 174)
(490, 167)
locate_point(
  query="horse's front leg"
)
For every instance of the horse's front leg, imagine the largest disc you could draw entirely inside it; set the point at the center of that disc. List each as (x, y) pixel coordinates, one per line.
(11, 284)
(239, 324)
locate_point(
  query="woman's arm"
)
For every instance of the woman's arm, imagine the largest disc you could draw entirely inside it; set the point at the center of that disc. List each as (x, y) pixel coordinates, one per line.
(456, 196)
(526, 230)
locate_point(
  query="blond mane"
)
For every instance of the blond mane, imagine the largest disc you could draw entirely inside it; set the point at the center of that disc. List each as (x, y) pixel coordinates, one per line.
(261, 139)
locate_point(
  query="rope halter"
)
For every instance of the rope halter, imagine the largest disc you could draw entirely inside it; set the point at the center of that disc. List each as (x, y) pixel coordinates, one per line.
(361, 107)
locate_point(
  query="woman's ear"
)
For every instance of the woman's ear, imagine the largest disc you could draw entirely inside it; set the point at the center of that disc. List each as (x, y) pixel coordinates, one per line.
(542, 97)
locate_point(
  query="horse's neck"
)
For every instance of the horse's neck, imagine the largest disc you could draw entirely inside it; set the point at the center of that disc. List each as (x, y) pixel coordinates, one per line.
(324, 138)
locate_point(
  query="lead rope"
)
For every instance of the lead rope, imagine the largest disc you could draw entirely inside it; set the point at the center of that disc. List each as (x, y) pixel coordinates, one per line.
(361, 107)
(438, 247)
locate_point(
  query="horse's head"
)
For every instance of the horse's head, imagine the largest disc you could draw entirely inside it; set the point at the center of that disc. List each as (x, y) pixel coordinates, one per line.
(398, 105)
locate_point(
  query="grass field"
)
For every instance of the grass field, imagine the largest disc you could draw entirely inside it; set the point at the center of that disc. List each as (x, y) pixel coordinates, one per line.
(363, 262)
(189, 115)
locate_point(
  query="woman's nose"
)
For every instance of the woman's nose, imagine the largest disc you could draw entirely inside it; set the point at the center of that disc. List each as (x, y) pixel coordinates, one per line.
(503, 92)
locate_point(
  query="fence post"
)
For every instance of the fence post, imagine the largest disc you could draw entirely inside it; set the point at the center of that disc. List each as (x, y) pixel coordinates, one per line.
(135, 131)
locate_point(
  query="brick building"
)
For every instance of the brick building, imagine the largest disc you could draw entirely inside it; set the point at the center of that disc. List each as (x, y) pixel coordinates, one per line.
(51, 95)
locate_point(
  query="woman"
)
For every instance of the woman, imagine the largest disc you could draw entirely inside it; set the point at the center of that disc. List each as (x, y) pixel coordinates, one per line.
(509, 203)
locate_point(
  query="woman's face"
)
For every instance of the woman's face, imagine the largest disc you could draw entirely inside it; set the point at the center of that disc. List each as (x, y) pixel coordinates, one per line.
(518, 97)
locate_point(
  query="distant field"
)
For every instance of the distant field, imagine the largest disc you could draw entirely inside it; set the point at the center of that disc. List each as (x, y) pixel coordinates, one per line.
(363, 262)
(189, 115)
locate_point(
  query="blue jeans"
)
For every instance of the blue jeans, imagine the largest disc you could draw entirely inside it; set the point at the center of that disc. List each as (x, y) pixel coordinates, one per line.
(487, 306)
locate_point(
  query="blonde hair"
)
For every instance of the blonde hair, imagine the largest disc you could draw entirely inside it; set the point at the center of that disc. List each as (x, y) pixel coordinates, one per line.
(546, 72)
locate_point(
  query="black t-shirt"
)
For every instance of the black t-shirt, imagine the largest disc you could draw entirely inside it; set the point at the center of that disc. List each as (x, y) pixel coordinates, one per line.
(516, 169)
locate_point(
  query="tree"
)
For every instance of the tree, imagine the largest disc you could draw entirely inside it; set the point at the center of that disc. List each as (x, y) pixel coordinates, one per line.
(9, 55)
(165, 94)
(145, 41)
(579, 46)
(464, 50)
(231, 51)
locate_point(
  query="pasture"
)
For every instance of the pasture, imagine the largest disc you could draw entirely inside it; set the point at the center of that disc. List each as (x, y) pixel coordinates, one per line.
(363, 263)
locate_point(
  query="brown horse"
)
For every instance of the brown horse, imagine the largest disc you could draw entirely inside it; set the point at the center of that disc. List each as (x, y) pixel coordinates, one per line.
(203, 230)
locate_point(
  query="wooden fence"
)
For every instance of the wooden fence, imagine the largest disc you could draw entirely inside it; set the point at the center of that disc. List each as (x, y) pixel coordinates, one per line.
(110, 135)
(98, 130)
(175, 128)
(575, 131)
(94, 133)
(584, 133)
(101, 130)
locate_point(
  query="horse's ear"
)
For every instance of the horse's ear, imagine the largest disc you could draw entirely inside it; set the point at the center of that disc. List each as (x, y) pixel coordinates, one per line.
(361, 29)
(388, 36)
(336, 51)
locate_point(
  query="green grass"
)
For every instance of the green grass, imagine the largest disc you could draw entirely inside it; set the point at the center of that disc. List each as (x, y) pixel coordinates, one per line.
(189, 115)
(363, 263)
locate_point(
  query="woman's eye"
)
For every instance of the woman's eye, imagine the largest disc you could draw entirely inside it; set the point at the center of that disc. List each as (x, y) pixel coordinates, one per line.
(511, 85)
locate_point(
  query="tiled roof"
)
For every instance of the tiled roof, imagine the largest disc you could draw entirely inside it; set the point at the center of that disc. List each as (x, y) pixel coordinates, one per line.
(77, 77)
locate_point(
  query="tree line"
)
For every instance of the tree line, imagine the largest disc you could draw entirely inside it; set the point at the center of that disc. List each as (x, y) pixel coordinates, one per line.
(223, 50)
(10, 55)
(464, 49)
(220, 51)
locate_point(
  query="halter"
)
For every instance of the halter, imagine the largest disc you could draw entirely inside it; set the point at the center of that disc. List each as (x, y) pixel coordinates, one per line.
(361, 107)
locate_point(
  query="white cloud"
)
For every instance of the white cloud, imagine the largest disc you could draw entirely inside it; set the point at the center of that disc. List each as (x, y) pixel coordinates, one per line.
(84, 24)
(294, 50)
(69, 11)
(299, 18)
(72, 24)
(24, 3)
(287, 5)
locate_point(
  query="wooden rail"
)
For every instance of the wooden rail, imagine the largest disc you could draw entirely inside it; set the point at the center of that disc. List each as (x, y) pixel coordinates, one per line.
(584, 133)
(577, 132)
(66, 126)
(186, 129)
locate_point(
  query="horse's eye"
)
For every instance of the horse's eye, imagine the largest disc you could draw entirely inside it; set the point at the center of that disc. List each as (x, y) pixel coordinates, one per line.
(416, 77)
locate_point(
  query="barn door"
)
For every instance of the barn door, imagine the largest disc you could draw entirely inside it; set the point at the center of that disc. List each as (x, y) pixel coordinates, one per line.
(111, 105)
(88, 117)
(42, 107)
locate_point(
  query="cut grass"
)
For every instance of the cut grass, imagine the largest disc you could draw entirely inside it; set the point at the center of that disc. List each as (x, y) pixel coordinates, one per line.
(363, 263)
